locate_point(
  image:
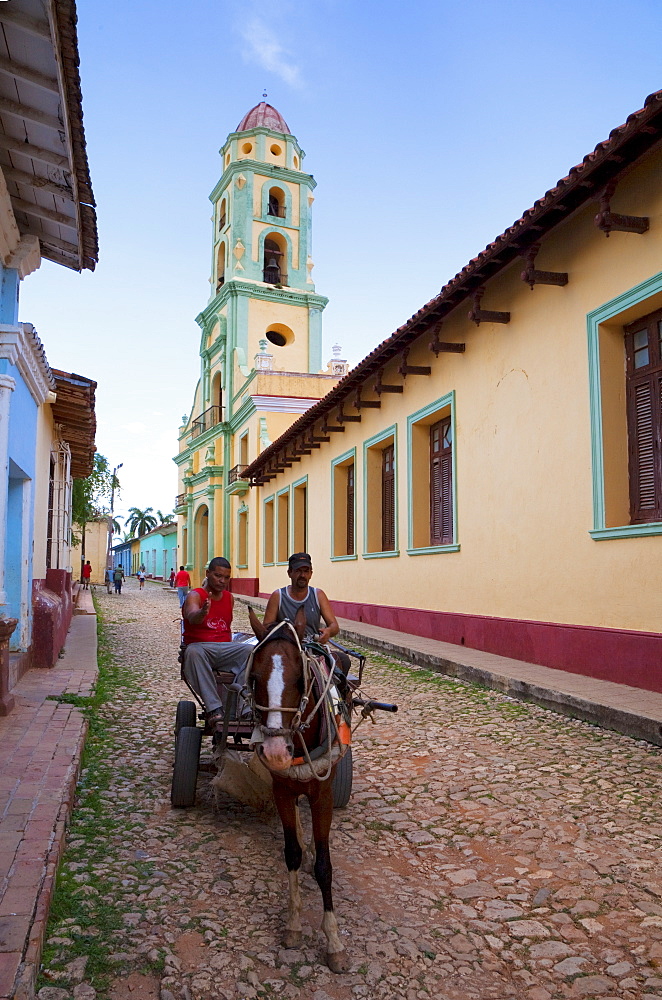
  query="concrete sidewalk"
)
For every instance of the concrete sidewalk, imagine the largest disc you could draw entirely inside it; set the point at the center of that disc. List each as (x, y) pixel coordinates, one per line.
(42, 742)
(625, 709)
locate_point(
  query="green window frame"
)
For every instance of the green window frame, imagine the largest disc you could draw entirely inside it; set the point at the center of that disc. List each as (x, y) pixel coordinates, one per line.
(604, 325)
(371, 475)
(425, 417)
(338, 505)
(268, 530)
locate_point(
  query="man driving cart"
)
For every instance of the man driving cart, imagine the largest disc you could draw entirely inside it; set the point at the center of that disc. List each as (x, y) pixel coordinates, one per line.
(207, 636)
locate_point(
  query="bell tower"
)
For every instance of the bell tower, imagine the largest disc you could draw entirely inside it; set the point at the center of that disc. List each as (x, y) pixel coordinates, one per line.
(262, 243)
(261, 338)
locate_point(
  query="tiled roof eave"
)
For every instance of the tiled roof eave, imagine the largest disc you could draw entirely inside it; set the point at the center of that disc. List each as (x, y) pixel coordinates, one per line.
(610, 159)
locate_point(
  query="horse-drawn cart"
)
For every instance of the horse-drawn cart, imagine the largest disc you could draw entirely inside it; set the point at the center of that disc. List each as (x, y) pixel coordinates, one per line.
(237, 732)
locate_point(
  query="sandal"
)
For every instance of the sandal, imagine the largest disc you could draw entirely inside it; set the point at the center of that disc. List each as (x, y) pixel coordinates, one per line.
(215, 719)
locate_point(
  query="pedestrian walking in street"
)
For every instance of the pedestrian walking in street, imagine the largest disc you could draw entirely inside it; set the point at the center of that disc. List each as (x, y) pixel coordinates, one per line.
(118, 576)
(183, 584)
(87, 574)
(141, 578)
(172, 577)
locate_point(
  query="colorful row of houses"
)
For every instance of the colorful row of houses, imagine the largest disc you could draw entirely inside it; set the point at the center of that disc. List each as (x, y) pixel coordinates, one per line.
(47, 416)
(490, 474)
(155, 551)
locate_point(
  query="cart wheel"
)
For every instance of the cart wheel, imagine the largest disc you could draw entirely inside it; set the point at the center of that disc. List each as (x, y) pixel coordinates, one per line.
(187, 715)
(342, 780)
(185, 771)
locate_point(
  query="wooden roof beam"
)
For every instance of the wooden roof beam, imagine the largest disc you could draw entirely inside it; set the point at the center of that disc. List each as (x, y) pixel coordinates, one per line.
(9, 15)
(34, 152)
(609, 221)
(24, 111)
(28, 74)
(532, 276)
(478, 315)
(347, 418)
(407, 369)
(381, 387)
(19, 205)
(441, 347)
(362, 404)
(34, 181)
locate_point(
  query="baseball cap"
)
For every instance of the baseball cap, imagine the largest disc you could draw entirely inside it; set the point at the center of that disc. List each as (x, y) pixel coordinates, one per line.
(299, 559)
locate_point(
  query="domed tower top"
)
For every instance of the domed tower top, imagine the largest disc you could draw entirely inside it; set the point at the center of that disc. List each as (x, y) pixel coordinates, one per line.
(263, 116)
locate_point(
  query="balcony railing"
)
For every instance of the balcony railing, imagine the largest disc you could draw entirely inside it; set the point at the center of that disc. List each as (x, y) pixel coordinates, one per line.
(206, 420)
(274, 276)
(180, 501)
(236, 473)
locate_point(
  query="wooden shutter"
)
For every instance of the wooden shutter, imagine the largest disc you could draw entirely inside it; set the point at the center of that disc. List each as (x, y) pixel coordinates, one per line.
(644, 415)
(441, 483)
(388, 499)
(350, 511)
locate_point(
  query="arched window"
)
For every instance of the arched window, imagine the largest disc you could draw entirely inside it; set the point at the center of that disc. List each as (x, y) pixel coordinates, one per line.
(276, 202)
(222, 215)
(220, 267)
(275, 260)
(217, 397)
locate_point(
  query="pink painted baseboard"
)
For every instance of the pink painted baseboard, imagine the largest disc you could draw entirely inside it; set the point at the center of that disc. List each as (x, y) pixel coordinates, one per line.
(247, 585)
(619, 655)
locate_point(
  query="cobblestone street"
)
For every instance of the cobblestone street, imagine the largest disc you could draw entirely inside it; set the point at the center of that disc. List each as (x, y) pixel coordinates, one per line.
(490, 849)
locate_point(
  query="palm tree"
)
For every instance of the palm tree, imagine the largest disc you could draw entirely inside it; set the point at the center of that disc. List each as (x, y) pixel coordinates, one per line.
(117, 527)
(139, 522)
(165, 518)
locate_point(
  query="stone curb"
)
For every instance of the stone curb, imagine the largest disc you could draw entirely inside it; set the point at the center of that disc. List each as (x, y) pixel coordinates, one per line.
(635, 724)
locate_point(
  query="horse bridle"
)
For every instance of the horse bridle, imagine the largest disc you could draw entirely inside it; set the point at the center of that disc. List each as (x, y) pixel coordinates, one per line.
(297, 725)
(297, 713)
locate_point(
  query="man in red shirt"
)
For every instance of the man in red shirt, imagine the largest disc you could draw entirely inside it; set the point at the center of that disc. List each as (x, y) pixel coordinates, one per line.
(207, 614)
(87, 573)
(183, 584)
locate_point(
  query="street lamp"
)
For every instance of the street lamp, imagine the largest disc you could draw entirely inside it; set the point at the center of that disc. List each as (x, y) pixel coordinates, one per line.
(109, 549)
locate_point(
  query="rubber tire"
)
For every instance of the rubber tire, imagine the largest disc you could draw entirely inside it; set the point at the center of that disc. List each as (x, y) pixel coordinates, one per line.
(342, 780)
(187, 715)
(185, 771)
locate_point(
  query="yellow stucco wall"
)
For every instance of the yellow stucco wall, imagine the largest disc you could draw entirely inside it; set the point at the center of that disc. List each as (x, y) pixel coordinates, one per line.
(523, 449)
(96, 547)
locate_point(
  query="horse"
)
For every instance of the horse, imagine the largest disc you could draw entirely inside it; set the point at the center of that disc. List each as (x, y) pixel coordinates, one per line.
(292, 716)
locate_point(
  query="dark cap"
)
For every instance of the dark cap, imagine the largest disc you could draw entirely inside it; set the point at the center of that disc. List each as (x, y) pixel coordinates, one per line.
(297, 560)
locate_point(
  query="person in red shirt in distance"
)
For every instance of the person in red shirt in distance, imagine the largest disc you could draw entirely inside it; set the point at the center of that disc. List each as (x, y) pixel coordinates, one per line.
(183, 585)
(207, 614)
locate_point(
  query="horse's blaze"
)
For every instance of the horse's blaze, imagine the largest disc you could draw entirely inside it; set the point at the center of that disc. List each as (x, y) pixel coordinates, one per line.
(275, 750)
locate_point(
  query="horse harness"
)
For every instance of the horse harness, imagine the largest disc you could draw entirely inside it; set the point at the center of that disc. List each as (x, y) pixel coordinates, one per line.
(318, 682)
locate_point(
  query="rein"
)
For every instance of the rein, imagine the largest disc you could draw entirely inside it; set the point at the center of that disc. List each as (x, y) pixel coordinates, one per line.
(312, 673)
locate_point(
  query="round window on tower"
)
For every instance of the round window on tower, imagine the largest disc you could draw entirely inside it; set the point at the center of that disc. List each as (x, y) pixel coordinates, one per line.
(295, 161)
(275, 150)
(227, 159)
(279, 335)
(247, 148)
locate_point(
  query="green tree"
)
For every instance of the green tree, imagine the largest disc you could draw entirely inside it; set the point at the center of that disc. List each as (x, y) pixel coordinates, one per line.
(139, 522)
(165, 518)
(91, 497)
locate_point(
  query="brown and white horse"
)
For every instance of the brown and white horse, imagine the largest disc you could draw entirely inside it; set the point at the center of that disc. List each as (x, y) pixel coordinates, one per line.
(289, 716)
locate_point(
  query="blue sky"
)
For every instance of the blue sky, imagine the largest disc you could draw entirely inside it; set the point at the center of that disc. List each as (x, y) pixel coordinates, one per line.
(429, 127)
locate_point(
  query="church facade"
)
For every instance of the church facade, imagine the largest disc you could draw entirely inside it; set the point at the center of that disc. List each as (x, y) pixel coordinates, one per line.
(260, 345)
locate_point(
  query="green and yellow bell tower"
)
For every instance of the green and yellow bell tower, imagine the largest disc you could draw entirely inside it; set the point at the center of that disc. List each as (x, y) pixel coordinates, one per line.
(261, 343)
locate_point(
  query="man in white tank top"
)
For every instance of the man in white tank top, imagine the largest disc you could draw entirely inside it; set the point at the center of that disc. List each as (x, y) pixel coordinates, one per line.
(285, 602)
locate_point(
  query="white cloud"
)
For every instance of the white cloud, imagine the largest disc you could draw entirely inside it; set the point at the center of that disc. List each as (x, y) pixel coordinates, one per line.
(136, 427)
(264, 48)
